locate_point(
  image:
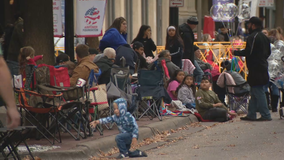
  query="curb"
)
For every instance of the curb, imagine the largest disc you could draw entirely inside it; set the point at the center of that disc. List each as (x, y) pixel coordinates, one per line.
(87, 150)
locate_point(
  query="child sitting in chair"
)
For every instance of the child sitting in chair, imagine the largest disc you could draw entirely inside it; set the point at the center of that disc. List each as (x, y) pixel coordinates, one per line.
(128, 129)
(208, 105)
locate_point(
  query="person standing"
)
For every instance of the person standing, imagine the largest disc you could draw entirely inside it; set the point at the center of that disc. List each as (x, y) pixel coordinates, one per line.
(257, 52)
(7, 94)
(145, 37)
(175, 45)
(187, 35)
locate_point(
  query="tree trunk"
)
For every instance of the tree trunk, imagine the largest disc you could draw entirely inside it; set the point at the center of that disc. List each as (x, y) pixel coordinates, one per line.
(92, 42)
(38, 28)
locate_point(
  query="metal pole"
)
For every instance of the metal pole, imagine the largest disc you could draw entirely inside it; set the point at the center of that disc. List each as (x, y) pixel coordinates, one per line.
(199, 15)
(69, 28)
(174, 17)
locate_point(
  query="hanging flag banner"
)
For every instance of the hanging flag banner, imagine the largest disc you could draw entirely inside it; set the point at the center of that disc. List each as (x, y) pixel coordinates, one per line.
(90, 17)
(57, 19)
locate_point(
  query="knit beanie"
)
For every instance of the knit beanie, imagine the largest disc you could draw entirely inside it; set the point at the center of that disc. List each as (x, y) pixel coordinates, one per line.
(192, 20)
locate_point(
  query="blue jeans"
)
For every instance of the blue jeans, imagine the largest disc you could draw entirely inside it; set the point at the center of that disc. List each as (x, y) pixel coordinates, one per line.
(190, 105)
(123, 142)
(273, 88)
(197, 73)
(258, 103)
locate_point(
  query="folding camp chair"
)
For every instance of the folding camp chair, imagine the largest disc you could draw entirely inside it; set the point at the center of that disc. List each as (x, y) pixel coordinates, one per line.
(151, 92)
(93, 107)
(10, 140)
(238, 98)
(71, 112)
(45, 111)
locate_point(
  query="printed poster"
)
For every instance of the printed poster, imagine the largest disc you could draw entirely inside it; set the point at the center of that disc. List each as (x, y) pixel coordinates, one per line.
(90, 17)
(57, 19)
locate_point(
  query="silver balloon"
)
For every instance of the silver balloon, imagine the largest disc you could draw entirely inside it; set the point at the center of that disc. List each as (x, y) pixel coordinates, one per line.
(230, 11)
(276, 65)
(279, 44)
(245, 12)
(216, 12)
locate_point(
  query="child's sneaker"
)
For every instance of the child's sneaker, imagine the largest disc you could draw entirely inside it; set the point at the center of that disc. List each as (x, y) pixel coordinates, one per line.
(137, 153)
(121, 156)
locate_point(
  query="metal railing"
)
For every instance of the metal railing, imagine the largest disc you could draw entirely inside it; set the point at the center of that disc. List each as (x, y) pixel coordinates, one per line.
(216, 52)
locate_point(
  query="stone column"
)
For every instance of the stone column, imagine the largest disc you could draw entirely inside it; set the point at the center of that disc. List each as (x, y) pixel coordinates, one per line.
(187, 10)
(165, 19)
(152, 18)
(119, 8)
(136, 17)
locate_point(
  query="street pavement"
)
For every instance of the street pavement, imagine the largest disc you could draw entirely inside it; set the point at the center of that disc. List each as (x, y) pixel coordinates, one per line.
(234, 140)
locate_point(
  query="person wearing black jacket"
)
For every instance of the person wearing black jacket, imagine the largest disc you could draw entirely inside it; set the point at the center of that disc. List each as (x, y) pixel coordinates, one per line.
(256, 52)
(175, 45)
(105, 64)
(187, 35)
(139, 49)
(145, 37)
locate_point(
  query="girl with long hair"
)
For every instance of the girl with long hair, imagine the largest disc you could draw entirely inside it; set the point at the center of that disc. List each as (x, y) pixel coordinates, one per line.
(27, 57)
(145, 37)
(186, 91)
(175, 45)
(115, 35)
(174, 82)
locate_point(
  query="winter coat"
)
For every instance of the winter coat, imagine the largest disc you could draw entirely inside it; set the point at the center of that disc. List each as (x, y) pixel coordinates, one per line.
(149, 46)
(170, 65)
(128, 53)
(83, 70)
(125, 122)
(105, 64)
(185, 95)
(187, 35)
(256, 52)
(142, 62)
(17, 41)
(112, 38)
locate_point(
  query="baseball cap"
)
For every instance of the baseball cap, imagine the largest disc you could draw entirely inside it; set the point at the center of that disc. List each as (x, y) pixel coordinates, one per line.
(137, 45)
(62, 58)
(256, 21)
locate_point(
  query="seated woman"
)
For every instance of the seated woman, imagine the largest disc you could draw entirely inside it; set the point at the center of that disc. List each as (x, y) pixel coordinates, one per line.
(165, 55)
(209, 106)
(186, 91)
(174, 82)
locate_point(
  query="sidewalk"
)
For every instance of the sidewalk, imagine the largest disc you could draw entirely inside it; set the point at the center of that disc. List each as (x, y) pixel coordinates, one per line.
(86, 148)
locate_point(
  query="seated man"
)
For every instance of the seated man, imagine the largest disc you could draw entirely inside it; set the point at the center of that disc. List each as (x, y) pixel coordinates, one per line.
(139, 49)
(84, 66)
(64, 61)
(105, 64)
(208, 105)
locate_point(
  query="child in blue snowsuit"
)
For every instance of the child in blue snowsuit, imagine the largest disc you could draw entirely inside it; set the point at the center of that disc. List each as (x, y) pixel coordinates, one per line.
(126, 125)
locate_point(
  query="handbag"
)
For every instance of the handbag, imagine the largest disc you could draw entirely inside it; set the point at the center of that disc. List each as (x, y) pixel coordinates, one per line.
(100, 97)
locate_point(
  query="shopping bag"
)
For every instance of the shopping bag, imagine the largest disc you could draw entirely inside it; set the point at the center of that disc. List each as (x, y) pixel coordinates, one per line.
(100, 97)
